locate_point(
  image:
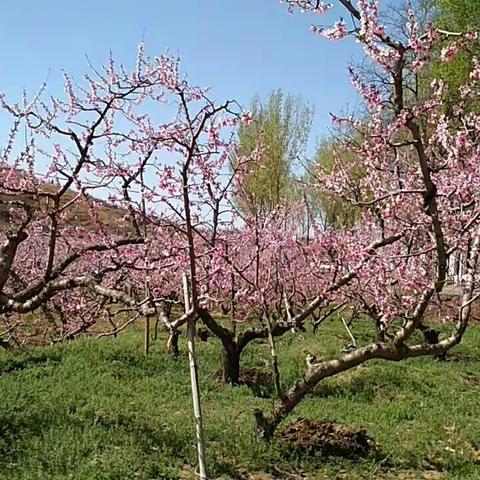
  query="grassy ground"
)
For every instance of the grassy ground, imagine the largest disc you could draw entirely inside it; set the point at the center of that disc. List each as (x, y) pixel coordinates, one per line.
(98, 409)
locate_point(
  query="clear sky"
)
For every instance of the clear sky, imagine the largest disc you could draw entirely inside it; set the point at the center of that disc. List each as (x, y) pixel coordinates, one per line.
(239, 47)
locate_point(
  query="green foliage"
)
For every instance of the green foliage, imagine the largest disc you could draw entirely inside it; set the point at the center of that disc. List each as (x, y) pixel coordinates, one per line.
(453, 16)
(98, 409)
(450, 15)
(333, 210)
(282, 125)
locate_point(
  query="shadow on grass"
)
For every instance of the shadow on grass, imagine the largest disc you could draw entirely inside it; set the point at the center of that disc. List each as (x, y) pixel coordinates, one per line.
(261, 387)
(23, 362)
(366, 385)
(148, 436)
(258, 381)
(13, 429)
(457, 357)
(145, 433)
(226, 470)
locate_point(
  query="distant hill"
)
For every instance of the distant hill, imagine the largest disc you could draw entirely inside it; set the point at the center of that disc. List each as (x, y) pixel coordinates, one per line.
(77, 214)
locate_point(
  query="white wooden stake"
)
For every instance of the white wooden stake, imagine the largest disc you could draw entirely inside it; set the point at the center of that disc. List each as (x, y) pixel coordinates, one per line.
(194, 382)
(352, 338)
(147, 323)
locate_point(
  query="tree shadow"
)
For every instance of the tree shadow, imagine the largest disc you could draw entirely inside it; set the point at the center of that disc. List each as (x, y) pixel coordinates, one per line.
(15, 430)
(25, 361)
(258, 381)
(226, 470)
(456, 357)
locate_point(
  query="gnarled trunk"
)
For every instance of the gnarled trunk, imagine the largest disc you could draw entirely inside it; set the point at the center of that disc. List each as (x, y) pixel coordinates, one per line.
(387, 351)
(231, 364)
(231, 349)
(172, 342)
(233, 345)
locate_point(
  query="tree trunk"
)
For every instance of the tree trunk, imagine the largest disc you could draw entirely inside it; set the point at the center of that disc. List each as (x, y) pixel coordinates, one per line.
(232, 348)
(231, 364)
(172, 342)
(266, 425)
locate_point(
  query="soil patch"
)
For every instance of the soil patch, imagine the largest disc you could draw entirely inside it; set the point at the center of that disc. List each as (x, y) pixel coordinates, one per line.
(326, 439)
(250, 377)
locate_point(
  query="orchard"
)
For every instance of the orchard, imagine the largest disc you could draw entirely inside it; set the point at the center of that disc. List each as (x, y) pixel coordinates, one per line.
(123, 215)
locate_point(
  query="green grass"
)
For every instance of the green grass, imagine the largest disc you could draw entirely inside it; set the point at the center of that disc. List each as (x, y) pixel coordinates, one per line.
(98, 409)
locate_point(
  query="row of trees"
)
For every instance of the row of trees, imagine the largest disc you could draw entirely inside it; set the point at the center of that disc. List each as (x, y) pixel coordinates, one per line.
(195, 238)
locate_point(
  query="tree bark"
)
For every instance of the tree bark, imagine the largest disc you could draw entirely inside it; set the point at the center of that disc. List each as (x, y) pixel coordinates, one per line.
(172, 342)
(231, 364)
(388, 351)
(234, 346)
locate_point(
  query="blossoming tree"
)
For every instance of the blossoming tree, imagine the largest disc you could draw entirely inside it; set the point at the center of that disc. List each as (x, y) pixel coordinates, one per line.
(417, 191)
(155, 147)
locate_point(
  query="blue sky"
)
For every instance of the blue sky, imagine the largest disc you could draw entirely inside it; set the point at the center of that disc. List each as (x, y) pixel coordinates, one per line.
(239, 47)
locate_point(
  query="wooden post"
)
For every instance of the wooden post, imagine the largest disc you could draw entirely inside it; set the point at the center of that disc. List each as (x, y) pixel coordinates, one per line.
(352, 338)
(147, 323)
(194, 382)
(273, 356)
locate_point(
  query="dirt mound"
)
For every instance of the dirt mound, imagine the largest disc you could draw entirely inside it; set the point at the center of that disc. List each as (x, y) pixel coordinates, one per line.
(249, 376)
(326, 439)
(252, 376)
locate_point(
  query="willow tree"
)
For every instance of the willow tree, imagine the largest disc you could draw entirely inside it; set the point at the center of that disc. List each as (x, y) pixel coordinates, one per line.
(281, 125)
